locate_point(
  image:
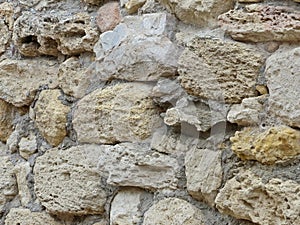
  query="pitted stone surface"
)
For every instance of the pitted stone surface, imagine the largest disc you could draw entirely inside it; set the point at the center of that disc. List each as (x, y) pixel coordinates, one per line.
(123, 112)
(219, 70)
(6, 23)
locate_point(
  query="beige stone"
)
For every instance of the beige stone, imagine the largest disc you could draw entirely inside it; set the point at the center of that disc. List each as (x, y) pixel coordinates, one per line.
(219, 70)
(6, 23)
(203, 12)
(249, 1)
(20, 79)
(26, 217)
(246, 196)
(173, 211)
(94, 2)
(27, 146)
(283, 78)
(119, 113)
(67, 181)
(266, 146)
(261, 23)
(204, 174)
(51, 116)
(108, 16)
(132, 6)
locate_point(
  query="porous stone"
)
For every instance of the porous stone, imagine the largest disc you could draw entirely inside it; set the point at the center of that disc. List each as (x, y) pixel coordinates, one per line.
(119, 113)
(261, 23)
(204, 174)
(27, 146)
(94, 2)
(219, 70)
(58, 32)
(51, 116)
(283, 78)
(246, 196)
(173, 211)
(20, 79)
(135, 165)
(18, 216)
(8, 184)
(266, 146)
(108, 16)
(203, 12)
(6, 23)
(248, 113)
(68, 182)
(132, 6)
(122, 54)
(126, 207)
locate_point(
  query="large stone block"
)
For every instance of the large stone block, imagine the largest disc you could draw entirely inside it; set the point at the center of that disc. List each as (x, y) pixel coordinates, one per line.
(123, 112)
(219, 70)
(246, 196)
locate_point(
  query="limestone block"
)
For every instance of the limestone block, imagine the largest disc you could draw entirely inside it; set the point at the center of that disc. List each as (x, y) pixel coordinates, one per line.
(108, 16)
(138, 49)
(67, 181)
(135, 165)
(283, 77)
(248, 112)
(8, 184)
(20, 79)
(203, 12)
(132, 6)
(119, 113)
(6, 23)
(266, 146)
(28, 146)
(246, 196)
(173, 211)
(219, 70)
(261, 23)
(54, 33)
(126, 207)
(51, 116)
(204, 174)
(19, 216)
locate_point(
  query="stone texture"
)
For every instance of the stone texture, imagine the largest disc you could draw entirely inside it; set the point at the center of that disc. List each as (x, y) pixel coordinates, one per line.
(119, 113)
(204, 174)
(122, 54)
(51, 116)
(94, 2)
(8, 184)
(246, 196)
(283, 78)
(267, 146)
(203, 12)
(173, 211)
(248, 113)
(219, 70)
(27, 146)
(67, 181)
(19, 216)
(126, 207)
(54, 33)
(261, 23)
(135, 165)
(6, 23)
(132, 6)
(108, 16)
(20, 79)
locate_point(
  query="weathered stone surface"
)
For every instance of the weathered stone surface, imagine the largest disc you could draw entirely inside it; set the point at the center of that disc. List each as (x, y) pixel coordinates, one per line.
(94, 2)
(8, 184)
(54, 33)
(247, 197)
(108, 16)
(249, 1)
(204, 174)
(132, 6)
(135, 165)
(67, 181)
(122, 54)
(283, 78)
(218, 70)
(119, 113)
(51, 116)
(27, 146)
(20, 79)
(126, 207)
(203, 12)
(173, 211)
(260, 23)
(6, 23)
(18, 216)
(267, 146)
(248, 113)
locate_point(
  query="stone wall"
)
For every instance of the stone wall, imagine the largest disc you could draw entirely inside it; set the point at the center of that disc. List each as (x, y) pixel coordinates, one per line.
(148, 112)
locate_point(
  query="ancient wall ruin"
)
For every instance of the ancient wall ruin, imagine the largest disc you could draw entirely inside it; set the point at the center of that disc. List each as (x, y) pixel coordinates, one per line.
(148, 112)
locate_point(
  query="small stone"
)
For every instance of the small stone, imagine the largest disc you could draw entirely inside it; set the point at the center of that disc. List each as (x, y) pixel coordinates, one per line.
(132, 6)
(28, 146)
(262, 89)
(108, 16)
